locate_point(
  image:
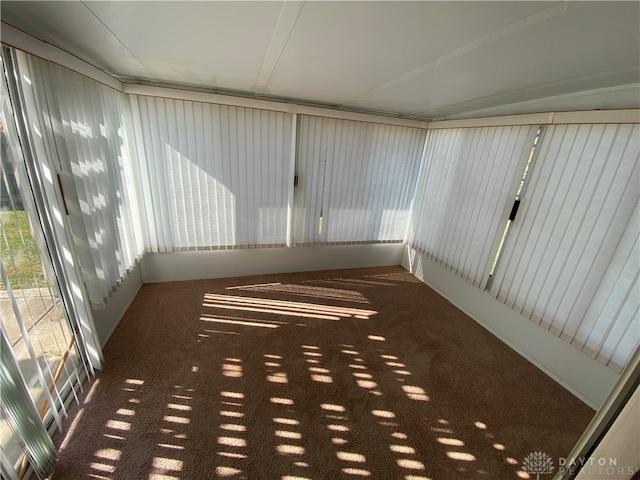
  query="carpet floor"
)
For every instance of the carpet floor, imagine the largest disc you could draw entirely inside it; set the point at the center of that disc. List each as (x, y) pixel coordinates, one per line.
(348, 374)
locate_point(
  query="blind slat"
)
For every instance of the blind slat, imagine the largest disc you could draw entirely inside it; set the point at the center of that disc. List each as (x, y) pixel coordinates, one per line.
(219, 174)
(83, 121)
(354, 178)
(571, 263)
(464, 194)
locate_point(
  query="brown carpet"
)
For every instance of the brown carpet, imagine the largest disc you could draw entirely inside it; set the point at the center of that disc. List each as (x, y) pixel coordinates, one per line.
(343, 374)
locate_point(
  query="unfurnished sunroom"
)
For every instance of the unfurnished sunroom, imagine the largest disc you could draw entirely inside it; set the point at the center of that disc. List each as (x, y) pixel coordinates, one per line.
(234, 207)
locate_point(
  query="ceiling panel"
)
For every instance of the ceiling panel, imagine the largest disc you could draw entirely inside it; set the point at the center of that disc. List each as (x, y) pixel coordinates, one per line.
(619, 97)
(71, 26)
(564, 53)
(340, 50)
(215, 44)
(424, 58)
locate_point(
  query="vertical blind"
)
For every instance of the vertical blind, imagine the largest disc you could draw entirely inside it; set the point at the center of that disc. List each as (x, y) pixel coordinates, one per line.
(215, 176)
(81, 123)
(22, 417)
(355, 180)
(610, 329)
(47, 339)
(572, 262)
(465, 191)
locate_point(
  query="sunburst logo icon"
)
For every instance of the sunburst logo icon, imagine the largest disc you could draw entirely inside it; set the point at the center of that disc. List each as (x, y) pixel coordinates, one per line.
(537, 463)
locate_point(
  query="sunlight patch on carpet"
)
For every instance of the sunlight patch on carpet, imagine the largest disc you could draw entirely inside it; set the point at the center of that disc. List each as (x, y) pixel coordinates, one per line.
(451, 442)
(410, 464)
(351, 457)
(286, 449)
(463, 456)
(357, 472)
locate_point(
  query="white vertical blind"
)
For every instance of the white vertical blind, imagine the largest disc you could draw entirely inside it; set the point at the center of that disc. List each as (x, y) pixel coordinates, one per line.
(48, 342)
(19, 412)
(214, 176)
(571, 263)
(81, 121)
(610, 329)
(355, 180)
(310, 173)
(464, 195)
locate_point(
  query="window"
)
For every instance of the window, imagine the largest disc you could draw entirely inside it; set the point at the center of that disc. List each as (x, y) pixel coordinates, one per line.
(214, 176)
(467, 180)
(77, 130)
(355, 181)
(572, 261)
(47, 345)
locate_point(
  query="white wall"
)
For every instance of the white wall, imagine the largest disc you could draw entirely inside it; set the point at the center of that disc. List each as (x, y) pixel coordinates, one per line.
(106, 320)
(583, 376)
(175, 266)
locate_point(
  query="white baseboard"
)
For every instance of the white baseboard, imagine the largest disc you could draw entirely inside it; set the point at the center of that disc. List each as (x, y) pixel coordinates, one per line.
(177, 266)
(582, 375)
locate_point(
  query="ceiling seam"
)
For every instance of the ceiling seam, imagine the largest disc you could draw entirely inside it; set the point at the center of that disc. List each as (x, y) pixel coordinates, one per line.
(289, 14)
(520, 24)
(533, 87)
(495, 110)
(118, 39)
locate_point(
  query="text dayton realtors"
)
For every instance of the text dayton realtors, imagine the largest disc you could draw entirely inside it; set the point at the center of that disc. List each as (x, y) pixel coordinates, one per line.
(595, 465)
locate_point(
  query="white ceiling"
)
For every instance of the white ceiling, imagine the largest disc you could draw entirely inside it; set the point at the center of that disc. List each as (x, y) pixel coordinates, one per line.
(428, 60)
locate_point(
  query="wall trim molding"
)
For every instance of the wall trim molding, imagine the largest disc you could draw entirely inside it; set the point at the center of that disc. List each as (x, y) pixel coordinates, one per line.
(194, 95)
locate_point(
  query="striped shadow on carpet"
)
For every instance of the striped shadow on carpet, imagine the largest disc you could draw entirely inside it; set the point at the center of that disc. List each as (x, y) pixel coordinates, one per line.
(352, 374)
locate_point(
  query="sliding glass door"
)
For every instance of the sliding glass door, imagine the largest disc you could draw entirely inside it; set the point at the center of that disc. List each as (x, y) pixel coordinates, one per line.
(44, 358)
